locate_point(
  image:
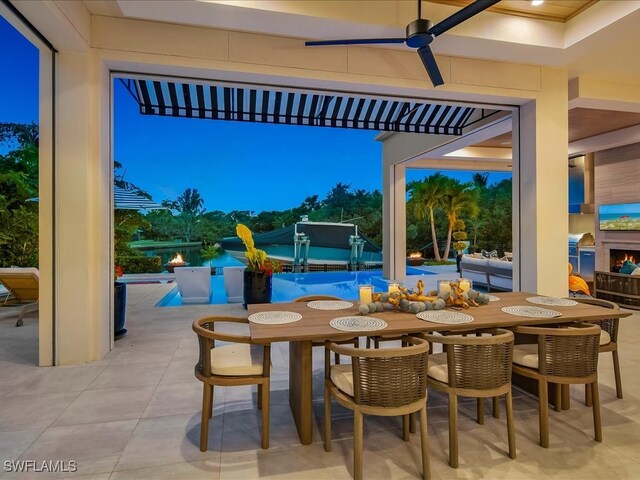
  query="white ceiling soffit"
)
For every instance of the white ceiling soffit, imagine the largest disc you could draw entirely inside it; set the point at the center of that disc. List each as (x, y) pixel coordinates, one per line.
(489, 35)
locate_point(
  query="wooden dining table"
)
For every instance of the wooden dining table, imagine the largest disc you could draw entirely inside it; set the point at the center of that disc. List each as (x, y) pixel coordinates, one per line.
(314, 326)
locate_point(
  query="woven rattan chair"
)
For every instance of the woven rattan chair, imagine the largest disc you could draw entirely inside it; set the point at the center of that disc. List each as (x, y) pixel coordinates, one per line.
(240, 363)
(473, 366)
(608, 341)
(310, 298)
(570, 357)
(385, 382)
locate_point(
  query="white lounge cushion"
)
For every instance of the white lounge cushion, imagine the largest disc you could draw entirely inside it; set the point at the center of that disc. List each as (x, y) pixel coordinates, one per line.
(438, 369)
(342, 377)
(234, 283)
(526, 355)
(236, 359)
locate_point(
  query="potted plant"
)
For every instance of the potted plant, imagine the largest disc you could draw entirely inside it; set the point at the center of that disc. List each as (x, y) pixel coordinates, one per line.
(459, 236)
(119, 304)
(259, 272)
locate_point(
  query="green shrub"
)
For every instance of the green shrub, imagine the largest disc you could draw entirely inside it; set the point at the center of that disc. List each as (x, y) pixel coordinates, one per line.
(140, 264)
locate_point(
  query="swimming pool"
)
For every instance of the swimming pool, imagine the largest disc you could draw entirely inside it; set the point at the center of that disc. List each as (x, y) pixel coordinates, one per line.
(289, 286)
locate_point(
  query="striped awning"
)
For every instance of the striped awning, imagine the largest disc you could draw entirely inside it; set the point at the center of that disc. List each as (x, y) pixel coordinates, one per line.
(127, 200)
(245, 104)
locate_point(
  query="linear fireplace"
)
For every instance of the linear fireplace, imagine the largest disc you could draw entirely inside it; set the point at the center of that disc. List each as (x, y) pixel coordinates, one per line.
(617, 257)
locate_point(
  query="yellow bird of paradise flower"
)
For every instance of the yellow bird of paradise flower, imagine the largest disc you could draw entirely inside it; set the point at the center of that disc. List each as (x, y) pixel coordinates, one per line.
(577, 284)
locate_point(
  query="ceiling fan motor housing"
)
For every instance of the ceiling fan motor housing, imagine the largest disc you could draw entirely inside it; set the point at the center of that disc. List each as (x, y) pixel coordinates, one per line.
(417, 35)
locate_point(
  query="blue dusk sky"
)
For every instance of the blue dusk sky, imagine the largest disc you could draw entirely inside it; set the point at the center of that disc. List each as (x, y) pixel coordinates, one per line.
(234, 165)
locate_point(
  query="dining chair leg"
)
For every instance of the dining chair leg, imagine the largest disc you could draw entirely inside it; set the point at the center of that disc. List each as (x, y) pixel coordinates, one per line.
(412, 423)
(424, 443)
(376, 342)
(453, 430)
(496, 407)
(511, 432)
(597, 420)
(211, 406)
(616, 371)
(587, 395)
(358, 434)
(259, 396)
(480, 411)
(265, 414)
(557, 402)
(543, 413)
(336, 358)
(327, 419)
(207, 400)
(405, 428)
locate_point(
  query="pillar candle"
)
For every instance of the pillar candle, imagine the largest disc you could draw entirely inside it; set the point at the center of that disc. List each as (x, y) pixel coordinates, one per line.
(394, 287)
(365, 295)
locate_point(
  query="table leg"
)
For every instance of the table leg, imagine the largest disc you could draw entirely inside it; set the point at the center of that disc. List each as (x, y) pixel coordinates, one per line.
(300, 388)
(566, 397)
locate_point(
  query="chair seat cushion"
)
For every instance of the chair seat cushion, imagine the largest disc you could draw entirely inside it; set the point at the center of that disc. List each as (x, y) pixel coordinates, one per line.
(236, 359)
(526, 355)
(604, 337)
(342, 377)
(438, 369)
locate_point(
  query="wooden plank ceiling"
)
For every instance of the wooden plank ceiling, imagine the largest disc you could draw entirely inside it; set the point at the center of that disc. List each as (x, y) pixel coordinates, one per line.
(552, 10)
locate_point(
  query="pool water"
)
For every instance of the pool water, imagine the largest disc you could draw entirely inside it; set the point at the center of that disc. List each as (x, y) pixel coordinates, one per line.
(289, 286)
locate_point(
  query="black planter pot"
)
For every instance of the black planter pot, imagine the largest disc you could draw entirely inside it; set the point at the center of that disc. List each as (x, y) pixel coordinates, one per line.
(257, 287)
(119, 309)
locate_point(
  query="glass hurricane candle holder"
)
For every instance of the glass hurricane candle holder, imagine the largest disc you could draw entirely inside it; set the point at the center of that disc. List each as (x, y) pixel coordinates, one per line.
(465, 284)
(394, 287)
(366, 294)
(444, 286)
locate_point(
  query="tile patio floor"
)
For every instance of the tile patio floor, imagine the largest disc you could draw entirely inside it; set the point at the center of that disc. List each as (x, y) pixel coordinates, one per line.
(135, 415)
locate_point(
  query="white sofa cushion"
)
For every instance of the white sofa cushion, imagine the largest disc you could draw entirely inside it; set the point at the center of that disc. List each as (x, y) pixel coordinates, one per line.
(501, 264)
(236, 360)
(472, 261)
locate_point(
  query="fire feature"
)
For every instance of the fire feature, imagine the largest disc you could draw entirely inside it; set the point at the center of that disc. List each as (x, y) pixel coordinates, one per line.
(176, 261)
(618, 257)
(415, 259)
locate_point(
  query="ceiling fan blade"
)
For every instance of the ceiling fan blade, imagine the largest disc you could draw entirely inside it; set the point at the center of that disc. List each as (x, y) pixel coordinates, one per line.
(360, 41)
(460, 16)
(430, 65)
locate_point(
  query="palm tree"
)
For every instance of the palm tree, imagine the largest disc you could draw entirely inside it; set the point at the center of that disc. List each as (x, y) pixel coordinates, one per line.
(425, 197)
(459, 198)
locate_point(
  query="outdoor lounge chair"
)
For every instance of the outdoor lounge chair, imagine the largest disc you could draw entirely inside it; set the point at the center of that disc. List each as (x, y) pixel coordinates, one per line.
(23, 285)
(194, 284)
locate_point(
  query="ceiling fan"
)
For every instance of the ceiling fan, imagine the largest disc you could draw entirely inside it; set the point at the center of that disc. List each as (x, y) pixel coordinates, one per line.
(420, 33)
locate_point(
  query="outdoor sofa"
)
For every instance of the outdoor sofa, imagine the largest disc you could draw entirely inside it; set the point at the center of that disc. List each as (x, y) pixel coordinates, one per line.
(492, 273)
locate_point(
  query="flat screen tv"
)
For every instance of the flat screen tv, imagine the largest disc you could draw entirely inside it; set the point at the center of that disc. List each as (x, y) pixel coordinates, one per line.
(620, 217)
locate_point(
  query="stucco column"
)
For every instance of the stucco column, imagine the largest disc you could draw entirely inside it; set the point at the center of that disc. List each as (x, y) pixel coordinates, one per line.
(394, 234)
(82, 306)
(541, 182)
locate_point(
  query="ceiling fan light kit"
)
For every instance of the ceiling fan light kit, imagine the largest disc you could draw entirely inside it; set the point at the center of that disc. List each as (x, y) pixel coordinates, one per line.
(419, 34)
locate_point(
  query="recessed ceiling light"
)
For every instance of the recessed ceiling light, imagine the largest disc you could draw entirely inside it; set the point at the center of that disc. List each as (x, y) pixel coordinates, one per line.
(536, 3)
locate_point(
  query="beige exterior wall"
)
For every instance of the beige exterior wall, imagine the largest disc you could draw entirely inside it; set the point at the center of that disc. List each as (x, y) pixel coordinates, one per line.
(83, 172)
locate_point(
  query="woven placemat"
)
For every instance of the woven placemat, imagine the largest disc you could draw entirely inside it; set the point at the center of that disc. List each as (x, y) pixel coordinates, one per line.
(358, 324)
(552, 301)
(532, 312)
(329, 305)
(275, 317)
(444, 316)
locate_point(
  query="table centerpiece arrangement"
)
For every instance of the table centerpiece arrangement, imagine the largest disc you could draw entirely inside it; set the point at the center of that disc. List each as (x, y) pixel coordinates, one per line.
(455, 294)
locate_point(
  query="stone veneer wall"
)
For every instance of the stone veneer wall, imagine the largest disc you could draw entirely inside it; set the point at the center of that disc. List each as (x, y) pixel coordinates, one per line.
(617, 180)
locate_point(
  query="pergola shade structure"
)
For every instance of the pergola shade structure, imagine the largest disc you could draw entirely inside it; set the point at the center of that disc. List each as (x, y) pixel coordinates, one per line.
(248, 104)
